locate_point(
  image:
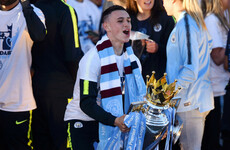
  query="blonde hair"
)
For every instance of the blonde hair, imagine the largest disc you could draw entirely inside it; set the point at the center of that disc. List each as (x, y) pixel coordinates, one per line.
(193, 8)
(215, 7)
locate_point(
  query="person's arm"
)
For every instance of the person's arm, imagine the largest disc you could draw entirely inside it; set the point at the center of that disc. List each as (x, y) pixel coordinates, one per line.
(218, 55)
(88, 73)
(190, 59)
(35, 21)
(218, 49)
(69, 32)
(88, 104)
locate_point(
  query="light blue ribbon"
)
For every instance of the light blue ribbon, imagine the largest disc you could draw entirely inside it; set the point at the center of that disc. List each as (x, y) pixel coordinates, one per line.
(114, 141)
(142, 128)
(170, 113)
(132, 140)
(136, 135)
(131, 121)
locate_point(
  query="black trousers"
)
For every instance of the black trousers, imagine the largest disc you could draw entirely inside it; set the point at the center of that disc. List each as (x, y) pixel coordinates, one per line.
(226, 120)
(15, 128)
(48, 126)
(82, 134)
(211, 135)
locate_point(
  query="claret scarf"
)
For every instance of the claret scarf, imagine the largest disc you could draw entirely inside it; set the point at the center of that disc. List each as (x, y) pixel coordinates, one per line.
(110, 85)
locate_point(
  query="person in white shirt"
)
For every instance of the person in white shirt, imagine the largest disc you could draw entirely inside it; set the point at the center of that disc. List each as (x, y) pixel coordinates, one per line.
(89, 17)
(218, 27)
(21, 24)
(104, 72)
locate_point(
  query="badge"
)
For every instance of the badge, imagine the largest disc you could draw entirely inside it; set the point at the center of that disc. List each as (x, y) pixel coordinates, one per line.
(173, 38)
(157, 27)
(78, 125)
(113, 106)
(187, 104)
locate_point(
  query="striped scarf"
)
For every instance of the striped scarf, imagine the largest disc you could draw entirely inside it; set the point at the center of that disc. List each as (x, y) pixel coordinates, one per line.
(110, 84)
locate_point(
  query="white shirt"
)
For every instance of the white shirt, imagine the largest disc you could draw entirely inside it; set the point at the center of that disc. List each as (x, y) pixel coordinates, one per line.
(219, 77)
(120, 64)
(15, 61)
(88, 20)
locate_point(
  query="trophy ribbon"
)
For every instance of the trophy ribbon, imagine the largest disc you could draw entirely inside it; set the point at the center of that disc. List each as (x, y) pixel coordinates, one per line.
(134, 139)
(170, 113)
(114, 141)
(137, 122)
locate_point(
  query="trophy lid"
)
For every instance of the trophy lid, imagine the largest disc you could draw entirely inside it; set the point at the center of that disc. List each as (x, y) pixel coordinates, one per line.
(158, 92)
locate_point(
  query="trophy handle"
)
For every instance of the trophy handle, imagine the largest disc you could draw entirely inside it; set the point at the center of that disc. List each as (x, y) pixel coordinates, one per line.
(175, 102)
(134, 105)
(177, 128)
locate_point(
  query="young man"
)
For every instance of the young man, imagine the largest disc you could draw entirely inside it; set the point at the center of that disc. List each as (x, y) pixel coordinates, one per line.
(55, 64)
(21, 24)
(100, 82)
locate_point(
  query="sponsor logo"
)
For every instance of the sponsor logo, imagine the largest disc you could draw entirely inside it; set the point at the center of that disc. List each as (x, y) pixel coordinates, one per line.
(20, 122)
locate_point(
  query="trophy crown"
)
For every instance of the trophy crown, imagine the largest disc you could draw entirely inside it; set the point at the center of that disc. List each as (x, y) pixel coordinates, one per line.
(158, 91)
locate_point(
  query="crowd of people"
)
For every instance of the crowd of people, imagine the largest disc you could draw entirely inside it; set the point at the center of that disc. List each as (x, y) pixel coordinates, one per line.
(69, 71)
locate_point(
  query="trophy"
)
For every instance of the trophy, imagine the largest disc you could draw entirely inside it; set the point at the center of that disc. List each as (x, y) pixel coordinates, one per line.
(159, 98)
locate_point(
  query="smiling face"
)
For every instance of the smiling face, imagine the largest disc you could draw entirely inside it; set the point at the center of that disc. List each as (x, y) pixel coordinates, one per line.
(145, 5)
(118, 26)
